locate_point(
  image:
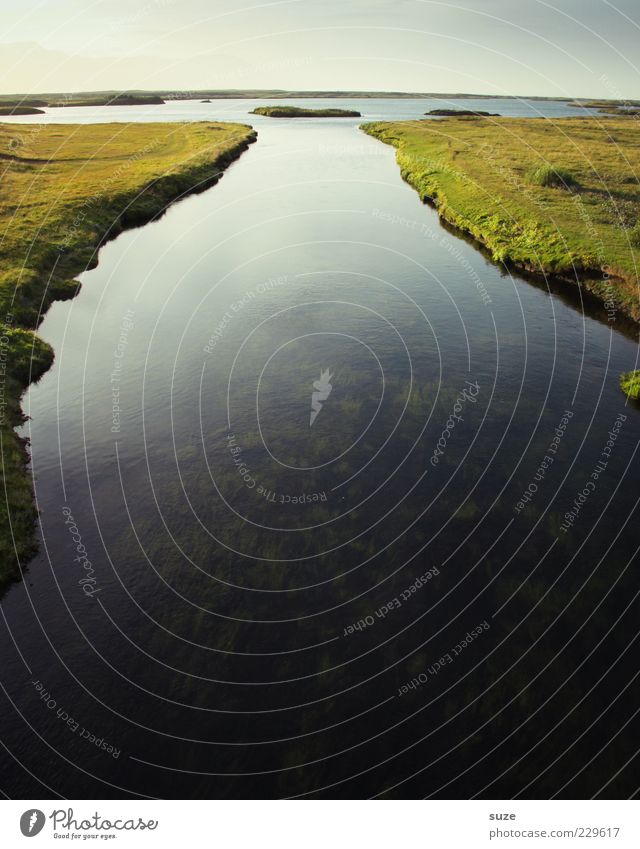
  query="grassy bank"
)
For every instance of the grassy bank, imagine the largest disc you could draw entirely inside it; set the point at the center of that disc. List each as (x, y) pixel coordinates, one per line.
(558, 197)
(303, 112)
(66, 189)
(46, 98)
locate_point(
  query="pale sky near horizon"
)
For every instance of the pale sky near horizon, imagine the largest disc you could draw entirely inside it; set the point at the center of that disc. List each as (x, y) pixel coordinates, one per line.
(581, 48)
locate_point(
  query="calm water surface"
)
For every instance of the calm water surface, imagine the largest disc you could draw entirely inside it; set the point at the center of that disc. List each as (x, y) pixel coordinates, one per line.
(390, 601)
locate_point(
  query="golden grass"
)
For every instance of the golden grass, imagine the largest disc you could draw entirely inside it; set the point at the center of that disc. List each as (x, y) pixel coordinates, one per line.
(483, 175)
(64, 190)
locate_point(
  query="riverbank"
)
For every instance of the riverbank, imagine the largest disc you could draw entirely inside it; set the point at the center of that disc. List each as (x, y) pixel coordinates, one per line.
(80, 97)
(67, 189)
(554, 197)
(20, 110)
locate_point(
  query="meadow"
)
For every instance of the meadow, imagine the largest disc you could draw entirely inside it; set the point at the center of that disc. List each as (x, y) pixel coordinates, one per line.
(554, 197)
(64, 191)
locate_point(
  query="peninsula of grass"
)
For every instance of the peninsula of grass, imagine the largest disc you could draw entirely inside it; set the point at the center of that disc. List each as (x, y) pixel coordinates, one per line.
(67, 189)
(557, 197)
(20, 110)
(301, 112)
(605, 104)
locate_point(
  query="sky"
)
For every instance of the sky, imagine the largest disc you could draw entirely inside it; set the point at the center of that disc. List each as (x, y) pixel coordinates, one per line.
(579, 48)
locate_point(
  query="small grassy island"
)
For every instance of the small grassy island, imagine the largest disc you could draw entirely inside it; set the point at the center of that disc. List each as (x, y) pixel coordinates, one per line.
(558, 197)
(458, 113)
(300, 112)
(630, 384)
(66, 190)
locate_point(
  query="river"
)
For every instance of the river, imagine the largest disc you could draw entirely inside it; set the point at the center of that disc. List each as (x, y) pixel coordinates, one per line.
(390, 600)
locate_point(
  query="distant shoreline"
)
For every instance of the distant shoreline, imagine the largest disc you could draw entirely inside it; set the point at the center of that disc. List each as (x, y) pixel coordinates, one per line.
(58, 99)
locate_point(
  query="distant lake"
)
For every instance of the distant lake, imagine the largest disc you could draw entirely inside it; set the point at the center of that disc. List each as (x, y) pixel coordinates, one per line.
(382, 601)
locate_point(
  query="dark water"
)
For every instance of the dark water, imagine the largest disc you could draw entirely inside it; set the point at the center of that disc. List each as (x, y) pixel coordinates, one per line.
(362, 606)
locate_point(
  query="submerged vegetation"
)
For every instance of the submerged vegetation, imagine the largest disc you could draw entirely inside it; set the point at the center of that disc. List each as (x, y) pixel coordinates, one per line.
(557, 197)
(66, 190)
(300, 112)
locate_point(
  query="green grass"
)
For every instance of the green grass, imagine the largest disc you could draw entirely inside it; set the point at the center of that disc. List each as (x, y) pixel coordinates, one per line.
(66, 189)
(458, 113)
(300, 112)
(550, 177)
(630, 384)
(479, 173)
